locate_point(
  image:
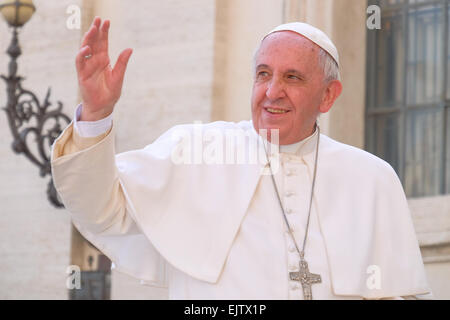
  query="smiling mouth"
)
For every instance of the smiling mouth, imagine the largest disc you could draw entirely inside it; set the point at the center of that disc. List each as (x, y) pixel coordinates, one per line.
(276, 111)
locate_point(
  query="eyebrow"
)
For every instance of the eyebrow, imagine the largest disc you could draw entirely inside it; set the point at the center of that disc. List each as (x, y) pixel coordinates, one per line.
(261, 66)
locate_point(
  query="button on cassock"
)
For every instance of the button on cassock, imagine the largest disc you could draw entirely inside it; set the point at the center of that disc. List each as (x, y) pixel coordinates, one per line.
(290, 173)
(289, 194)
(294, 286)
(293, 267)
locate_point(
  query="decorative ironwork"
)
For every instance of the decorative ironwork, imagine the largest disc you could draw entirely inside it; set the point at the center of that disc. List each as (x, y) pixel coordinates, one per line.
(28, 117)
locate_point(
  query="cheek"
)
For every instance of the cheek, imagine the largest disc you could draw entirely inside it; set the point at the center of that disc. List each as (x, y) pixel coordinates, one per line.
(306, 109)
(258, 95)
(302, 102)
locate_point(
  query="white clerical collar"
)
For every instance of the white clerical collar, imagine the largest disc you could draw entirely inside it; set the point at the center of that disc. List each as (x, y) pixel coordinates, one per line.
(302, 147)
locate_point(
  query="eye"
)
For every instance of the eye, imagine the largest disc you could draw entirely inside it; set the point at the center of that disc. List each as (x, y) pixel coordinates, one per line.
(293, 77)
(262, 74)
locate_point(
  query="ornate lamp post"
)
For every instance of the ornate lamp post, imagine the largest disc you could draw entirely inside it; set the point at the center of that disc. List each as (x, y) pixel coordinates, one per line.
(26, 115)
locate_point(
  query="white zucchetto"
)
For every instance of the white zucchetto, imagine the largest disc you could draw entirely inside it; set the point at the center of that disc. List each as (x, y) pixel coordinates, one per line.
(312, 33)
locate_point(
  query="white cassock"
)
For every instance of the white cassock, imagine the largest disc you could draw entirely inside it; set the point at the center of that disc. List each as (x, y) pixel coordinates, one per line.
(215, 231)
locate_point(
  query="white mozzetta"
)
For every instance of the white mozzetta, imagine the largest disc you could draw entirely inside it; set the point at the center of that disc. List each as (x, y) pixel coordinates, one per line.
(146, 212)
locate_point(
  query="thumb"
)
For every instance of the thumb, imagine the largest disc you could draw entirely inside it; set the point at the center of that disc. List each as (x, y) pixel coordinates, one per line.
(118, 71)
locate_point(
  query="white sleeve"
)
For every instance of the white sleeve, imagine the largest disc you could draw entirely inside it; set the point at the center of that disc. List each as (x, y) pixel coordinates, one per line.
(91, 189)
(88, 129)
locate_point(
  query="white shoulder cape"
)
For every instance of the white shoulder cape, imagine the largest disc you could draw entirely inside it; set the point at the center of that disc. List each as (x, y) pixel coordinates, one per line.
(190, 214)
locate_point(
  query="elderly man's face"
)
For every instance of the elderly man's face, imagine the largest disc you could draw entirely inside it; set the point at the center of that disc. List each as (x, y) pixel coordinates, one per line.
(289, 89)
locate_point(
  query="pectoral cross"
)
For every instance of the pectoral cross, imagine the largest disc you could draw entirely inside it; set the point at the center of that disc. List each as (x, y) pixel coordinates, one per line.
(306, 278)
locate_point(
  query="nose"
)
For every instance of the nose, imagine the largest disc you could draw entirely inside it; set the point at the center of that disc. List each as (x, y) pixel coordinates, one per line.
(275, 89)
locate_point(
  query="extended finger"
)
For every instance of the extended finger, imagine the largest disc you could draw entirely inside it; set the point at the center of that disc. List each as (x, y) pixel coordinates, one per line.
(81, 58)
(97, 21)
(121, 65)
(90, 37)
(92, 33)
(104, 30)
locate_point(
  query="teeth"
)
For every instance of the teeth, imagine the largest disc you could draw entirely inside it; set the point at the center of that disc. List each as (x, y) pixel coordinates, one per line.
(276, 110)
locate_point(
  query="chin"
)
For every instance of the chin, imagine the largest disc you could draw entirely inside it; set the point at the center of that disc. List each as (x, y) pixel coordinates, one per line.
(281, 135)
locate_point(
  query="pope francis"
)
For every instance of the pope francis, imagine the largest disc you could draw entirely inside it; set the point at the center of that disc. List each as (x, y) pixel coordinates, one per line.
(311, 218)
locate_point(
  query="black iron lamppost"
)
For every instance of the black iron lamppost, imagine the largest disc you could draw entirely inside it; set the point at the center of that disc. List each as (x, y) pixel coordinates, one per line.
(26, 115)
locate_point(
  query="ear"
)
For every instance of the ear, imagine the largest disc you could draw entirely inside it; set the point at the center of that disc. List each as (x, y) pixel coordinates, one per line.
(332, 92)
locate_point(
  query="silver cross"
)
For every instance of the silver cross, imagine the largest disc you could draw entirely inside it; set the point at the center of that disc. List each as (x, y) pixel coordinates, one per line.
(306, 279)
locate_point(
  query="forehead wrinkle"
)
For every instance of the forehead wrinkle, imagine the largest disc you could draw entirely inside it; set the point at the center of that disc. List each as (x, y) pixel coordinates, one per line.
(300, 67)
(277, 43)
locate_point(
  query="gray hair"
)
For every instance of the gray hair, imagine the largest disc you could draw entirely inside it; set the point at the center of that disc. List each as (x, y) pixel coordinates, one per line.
(326, 63)
(329, 66)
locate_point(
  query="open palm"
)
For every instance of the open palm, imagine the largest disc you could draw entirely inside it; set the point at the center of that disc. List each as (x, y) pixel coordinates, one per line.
(100, 85)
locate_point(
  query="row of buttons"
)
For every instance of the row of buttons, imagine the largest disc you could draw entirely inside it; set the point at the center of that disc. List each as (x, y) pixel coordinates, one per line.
(290, 173)
(293, 267)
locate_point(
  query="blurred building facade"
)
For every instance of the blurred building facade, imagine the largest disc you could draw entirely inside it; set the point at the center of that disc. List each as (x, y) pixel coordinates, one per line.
(192, 61)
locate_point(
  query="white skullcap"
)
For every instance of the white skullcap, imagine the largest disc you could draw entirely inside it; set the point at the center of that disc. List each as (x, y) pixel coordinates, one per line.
(315, 35)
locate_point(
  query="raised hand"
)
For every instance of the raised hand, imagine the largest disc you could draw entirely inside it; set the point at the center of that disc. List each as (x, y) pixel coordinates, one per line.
(100, 85)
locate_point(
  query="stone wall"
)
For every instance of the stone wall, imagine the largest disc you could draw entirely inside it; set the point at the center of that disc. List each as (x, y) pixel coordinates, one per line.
(191, 61)
(34, 236)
